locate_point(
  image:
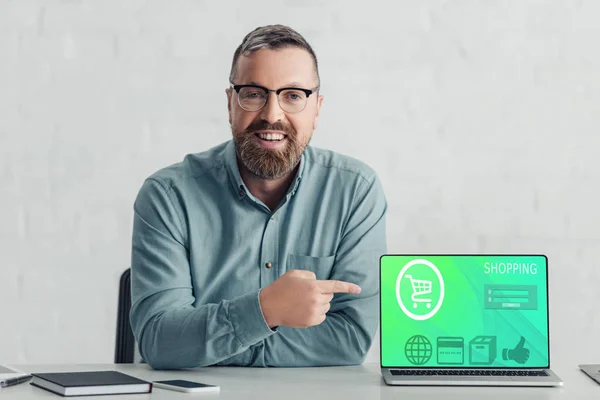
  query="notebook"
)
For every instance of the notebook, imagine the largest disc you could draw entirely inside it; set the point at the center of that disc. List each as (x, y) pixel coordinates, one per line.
(467, 319)
(90, 383)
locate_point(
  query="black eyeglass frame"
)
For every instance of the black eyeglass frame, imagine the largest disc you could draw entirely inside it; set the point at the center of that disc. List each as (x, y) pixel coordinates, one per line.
(308, 92)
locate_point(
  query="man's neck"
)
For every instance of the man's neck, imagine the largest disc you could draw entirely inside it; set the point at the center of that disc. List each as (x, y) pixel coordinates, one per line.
(269, 192)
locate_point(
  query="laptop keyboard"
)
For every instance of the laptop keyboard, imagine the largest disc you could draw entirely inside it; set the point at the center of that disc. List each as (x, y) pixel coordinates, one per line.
(470, 372)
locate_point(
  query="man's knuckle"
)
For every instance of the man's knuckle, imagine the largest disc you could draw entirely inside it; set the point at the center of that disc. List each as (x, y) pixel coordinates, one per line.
(306, 273)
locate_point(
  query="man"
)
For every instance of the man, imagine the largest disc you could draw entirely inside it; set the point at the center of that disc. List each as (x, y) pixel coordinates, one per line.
(262, 251)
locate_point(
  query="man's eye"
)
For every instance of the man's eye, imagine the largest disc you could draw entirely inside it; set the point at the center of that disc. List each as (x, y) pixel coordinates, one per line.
(294, 96)
(251, 95)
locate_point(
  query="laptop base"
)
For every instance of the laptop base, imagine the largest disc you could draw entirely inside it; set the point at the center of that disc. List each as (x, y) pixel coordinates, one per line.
(550, 380)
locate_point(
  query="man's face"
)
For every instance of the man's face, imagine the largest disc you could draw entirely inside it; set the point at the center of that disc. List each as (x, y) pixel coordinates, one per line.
(270, 141)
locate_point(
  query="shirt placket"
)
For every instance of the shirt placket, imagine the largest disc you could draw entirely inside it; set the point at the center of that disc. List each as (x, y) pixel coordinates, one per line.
(269, 263)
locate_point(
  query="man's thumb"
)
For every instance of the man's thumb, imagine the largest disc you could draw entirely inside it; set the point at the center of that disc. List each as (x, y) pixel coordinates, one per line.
(521, 343)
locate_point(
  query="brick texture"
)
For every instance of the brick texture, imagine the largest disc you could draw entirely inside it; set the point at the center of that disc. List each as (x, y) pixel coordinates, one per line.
(481, 117)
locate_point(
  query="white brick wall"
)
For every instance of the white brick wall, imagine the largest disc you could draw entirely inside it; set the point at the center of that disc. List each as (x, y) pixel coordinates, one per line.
(481, 117)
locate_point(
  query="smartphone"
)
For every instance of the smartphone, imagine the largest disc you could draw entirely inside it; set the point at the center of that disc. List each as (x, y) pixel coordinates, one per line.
(182, 385)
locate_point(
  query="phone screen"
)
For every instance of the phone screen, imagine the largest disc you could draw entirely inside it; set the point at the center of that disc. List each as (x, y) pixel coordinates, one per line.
(184, 384)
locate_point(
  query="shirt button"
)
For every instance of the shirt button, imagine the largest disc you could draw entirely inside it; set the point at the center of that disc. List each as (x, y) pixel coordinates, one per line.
(272, 218)
(268, 265)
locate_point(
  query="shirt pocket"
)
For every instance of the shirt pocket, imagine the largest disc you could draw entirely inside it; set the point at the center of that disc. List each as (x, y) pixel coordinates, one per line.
(321, 266)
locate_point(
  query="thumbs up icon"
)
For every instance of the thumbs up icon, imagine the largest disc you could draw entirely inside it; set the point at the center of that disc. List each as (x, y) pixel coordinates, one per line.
(519, 354)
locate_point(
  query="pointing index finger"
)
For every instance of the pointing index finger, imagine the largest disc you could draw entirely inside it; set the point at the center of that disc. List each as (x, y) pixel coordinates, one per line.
(334, 286)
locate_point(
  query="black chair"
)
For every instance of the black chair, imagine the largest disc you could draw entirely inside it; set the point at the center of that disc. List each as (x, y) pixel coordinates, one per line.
(126, 347)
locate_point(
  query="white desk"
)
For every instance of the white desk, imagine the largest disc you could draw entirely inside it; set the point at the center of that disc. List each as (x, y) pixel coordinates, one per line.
(348, 383)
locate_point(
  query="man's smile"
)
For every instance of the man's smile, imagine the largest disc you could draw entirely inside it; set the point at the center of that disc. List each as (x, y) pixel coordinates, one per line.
(270, 135)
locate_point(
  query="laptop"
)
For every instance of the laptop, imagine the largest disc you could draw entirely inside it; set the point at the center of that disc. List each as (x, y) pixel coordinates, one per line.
(465, 319)
(591, 370)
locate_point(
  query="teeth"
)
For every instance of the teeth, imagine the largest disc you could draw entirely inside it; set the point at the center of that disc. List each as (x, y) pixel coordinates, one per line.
(270, 136)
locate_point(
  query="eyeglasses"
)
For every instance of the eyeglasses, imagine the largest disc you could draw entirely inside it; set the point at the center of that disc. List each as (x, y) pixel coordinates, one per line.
(254, 97)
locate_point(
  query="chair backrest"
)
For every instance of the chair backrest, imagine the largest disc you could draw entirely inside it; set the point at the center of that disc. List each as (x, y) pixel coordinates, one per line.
(126, 349)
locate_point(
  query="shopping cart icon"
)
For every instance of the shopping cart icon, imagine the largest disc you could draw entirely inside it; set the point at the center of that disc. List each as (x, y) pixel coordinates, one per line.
(420, 287)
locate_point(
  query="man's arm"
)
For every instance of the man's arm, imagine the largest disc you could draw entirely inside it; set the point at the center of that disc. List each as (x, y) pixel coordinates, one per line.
(170, 331)
(346, 335)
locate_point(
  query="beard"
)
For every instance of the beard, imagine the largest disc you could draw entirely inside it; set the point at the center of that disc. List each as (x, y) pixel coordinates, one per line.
(268, 163)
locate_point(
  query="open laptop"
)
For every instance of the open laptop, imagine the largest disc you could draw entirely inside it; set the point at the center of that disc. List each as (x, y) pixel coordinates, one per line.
(460, 319)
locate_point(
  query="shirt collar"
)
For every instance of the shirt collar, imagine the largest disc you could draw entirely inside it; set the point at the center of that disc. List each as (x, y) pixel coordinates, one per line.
(233, 171)
(237, 184)
(296, 182)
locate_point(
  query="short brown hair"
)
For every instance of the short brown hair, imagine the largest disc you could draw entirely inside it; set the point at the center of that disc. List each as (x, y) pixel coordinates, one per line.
(271, 37)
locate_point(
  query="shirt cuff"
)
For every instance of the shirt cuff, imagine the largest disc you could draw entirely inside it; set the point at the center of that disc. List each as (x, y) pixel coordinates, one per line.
(248, 320)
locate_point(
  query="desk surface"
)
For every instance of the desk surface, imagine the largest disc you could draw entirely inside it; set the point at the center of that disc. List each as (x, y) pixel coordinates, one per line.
(359, 382)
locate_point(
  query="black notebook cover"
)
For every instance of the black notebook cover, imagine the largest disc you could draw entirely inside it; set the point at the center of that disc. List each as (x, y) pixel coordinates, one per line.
(90, 379)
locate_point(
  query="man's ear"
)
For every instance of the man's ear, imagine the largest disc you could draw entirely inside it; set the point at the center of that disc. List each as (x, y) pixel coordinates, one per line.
(228, 92)
(319, 103)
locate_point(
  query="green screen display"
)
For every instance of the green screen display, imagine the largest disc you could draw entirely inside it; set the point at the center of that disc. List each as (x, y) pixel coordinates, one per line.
(464, 311)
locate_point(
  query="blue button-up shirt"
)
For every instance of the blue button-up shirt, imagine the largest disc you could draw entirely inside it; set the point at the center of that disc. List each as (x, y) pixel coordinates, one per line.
(203, 247)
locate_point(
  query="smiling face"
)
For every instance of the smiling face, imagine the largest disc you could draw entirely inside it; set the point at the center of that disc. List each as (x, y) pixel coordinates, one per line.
(270, 141)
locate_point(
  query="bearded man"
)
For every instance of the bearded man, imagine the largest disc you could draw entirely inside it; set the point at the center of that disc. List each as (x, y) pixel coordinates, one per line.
(264, 250)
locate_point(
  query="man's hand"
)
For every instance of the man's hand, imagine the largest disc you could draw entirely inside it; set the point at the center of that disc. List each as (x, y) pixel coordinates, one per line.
(298, 300)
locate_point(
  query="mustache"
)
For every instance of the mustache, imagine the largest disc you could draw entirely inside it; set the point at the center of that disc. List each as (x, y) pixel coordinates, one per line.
(264, 125)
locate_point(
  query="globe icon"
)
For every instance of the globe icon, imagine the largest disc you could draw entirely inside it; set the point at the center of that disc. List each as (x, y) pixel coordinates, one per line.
(418, 350)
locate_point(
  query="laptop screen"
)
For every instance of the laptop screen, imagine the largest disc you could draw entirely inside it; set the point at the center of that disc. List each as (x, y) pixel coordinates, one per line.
(483, 311)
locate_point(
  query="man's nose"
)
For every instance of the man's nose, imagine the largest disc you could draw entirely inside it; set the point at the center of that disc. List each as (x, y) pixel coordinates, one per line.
(272, 112)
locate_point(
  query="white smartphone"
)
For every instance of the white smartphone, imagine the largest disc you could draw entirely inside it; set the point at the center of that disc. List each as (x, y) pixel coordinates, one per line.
(182, 385)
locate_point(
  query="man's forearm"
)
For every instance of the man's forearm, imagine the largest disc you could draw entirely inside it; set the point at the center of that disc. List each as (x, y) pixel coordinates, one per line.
(344, 338)
(171, 331)
(194, 337)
